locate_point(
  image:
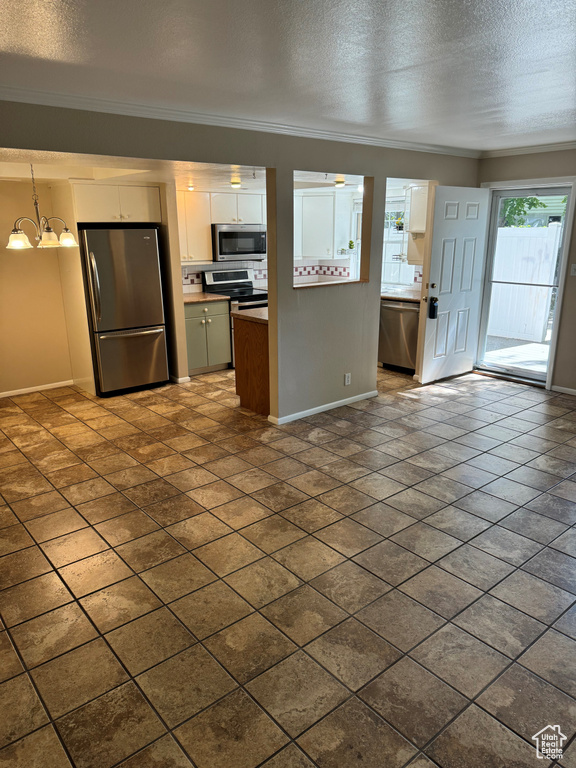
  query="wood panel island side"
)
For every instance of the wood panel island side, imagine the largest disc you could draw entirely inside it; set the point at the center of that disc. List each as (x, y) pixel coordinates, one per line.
(251, 359)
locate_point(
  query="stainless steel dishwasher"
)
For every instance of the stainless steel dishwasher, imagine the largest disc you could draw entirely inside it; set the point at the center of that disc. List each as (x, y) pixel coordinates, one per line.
(398, 338)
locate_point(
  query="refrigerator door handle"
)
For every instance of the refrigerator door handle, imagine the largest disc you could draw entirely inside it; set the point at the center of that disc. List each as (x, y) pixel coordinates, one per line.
(96, 287)
(124, 334)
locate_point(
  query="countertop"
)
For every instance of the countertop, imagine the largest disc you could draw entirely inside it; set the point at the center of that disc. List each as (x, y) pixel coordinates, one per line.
(401, 293)
(203, 298)
(259, 315)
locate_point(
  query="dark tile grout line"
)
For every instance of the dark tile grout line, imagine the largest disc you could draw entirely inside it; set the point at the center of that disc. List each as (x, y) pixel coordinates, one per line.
(346, 516)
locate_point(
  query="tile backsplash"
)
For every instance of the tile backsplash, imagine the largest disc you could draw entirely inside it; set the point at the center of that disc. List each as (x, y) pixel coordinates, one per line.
(192, 277)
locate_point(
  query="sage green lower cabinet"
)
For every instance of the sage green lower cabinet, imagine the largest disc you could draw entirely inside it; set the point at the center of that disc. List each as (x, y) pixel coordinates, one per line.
(208, 334)
(218, 333)
(196, 343)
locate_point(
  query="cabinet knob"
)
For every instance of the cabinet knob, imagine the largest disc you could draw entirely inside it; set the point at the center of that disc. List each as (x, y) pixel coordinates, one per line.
(208, 321)
(240, 219)
(203, 322)
(233, 219)
(205, 309)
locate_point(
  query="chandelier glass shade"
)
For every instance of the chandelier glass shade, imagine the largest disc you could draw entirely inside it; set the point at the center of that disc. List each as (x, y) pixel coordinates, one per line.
(44, 233)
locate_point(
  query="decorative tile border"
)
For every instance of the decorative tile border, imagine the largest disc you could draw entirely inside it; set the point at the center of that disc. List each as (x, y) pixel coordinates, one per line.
(326, 270)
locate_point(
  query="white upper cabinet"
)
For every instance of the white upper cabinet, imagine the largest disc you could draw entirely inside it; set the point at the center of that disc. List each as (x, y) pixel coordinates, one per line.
(229, 208)
(194, 226)
(317, 227)
(112, 203)
(297, 227)
(249, 209)
(224, 208)
(140, 204)
(182, 232)
(97, 202)
(418, 206)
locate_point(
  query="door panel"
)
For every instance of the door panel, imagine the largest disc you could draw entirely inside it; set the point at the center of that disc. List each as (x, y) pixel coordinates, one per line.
(196, 345)
(131, 358)
(250, 209)
(224, 208)
(218, 332)
(317, 227)
(456, 267)
(140, 204)
(199, 234)
(97, 202)
(527, 231)
(125, 278)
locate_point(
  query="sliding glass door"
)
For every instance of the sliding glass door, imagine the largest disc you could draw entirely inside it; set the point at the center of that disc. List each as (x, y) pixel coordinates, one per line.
(522, 274)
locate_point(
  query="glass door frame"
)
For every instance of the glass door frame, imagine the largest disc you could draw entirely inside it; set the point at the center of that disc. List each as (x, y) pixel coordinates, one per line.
(535, 189)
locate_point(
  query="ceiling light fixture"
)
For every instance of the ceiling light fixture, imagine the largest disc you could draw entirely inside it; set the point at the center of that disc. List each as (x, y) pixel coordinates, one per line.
(190, 187)
(45, 235)
(340, 183)
(235, 183)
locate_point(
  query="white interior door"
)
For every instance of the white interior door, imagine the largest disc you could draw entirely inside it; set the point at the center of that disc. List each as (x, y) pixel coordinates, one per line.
(455, 280)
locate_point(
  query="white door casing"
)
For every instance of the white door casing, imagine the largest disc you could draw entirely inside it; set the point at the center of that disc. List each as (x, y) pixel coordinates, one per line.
(455, 279)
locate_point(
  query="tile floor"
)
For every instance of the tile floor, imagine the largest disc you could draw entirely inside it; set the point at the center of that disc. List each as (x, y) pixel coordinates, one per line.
(387, 584)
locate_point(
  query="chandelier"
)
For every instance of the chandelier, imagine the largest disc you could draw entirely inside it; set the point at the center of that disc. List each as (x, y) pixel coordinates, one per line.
(45, 235)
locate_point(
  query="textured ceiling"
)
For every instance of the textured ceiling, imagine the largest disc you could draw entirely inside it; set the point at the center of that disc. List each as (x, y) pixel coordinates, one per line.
(471, 74)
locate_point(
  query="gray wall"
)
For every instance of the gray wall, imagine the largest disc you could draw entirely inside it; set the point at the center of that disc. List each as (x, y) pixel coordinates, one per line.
(323, 332)
(540, 166)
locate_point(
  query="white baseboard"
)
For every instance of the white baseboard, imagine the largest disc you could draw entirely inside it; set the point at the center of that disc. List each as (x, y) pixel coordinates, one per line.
(320, 409)
(27, 390)
(564, 390)
(181, 380)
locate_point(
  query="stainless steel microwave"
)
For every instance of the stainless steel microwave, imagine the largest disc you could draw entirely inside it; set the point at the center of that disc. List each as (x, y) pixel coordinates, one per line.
(239, 242)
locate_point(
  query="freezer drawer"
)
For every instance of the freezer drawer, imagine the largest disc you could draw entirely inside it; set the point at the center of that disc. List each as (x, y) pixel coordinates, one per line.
(398, 337)
(131, 358)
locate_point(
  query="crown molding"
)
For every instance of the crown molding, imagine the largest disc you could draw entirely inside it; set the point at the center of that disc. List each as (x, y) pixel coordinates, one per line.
(90, 104)
(528, 150)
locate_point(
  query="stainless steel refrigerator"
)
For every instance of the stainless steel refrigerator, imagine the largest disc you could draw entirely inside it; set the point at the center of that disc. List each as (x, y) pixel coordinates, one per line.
(124, 282)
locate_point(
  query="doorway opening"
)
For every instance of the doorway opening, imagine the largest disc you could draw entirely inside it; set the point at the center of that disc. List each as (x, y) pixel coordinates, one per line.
(527, 230)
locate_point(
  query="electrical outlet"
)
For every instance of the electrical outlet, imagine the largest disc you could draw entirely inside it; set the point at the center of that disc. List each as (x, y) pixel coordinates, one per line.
(573, 270)
(347, 379)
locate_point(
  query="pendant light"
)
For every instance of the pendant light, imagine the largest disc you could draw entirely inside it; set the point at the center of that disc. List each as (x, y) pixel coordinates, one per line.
(45, 235)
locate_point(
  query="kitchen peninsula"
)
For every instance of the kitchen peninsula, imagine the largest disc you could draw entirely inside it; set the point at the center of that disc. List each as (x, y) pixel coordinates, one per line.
(251, 359)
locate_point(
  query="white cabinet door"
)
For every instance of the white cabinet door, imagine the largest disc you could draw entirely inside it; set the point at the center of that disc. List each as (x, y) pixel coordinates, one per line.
(97, 202)
(298, 227)
(140, 204)
(249, 209)
(317, 227)
(343, 204)
(455, 282)
(418, 209)
(224, 208)
(182, 234)
(199, 235)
